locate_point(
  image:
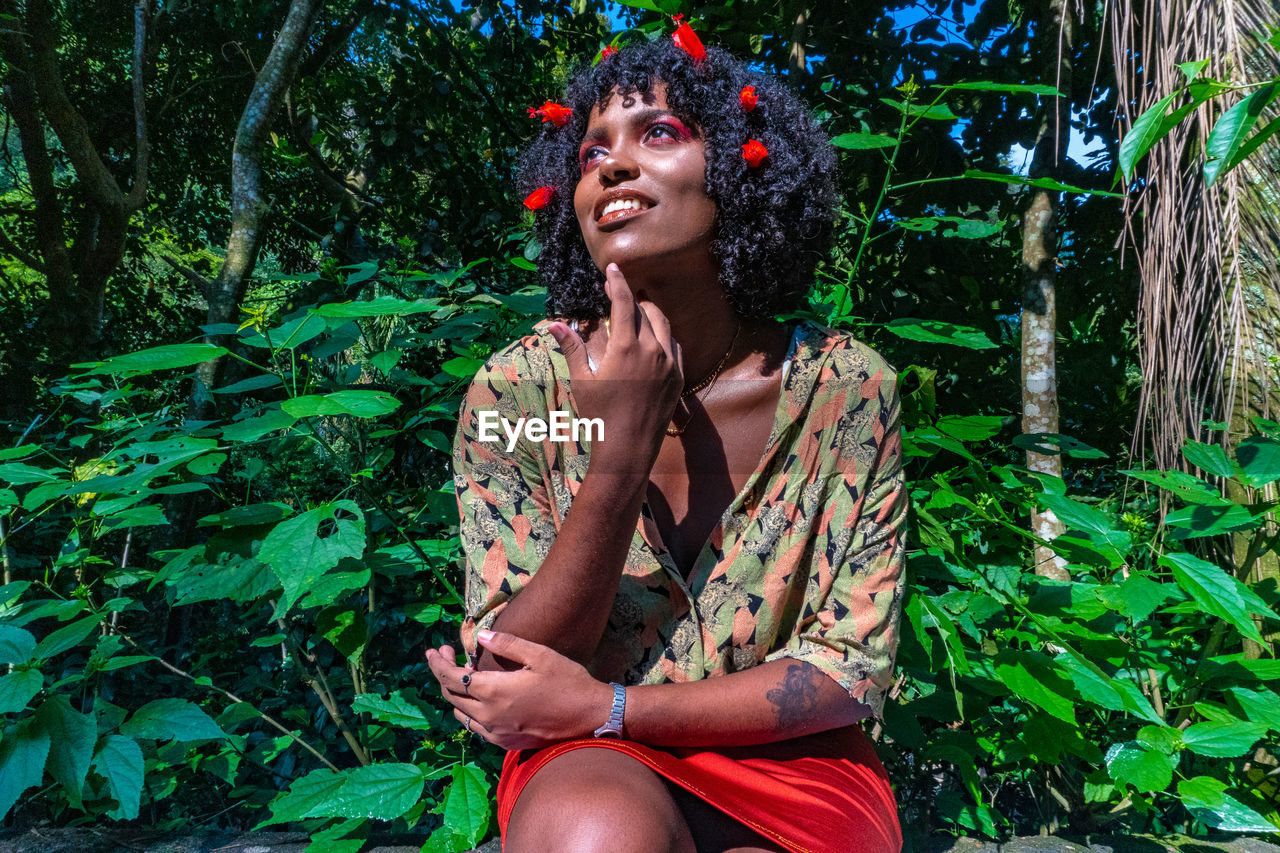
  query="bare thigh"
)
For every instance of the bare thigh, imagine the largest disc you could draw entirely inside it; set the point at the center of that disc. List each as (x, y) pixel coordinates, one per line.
(593, 801)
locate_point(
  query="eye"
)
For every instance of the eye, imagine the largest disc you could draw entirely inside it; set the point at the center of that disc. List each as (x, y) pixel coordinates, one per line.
(589, 155)
(664, 130)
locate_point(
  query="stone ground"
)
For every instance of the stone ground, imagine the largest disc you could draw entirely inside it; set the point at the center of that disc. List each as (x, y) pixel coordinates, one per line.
(94, 840)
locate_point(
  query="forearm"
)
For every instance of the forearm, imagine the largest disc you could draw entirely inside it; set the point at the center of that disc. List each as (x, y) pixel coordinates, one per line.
(566, 603)
(774, 701)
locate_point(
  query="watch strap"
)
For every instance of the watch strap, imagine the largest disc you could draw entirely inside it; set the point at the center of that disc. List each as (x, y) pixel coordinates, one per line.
(613, 726)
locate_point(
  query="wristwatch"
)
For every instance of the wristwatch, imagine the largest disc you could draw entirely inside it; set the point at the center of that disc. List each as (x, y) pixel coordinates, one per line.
(613, 726)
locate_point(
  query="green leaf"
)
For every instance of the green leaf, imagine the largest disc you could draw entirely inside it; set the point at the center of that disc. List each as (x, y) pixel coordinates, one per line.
(233, 577)
(1209, 520)
(1052, 444)
(1231, 129)
(380, 791)
(1164, 739)
(395, 710)
(1148, 129)
(1211, 458)
(71, 737)
(1015, 88)
(1137, 596)
(463, 367)
(938, 332)
(1039, 183)
(1259, 458)
(304, 796)
(176, 719)
(18, 688)
(863, 141)
(1130, 763)
(22, 474)
(300, 556)
(66, 637)
(1217, 592)
(289, 335)
(16, 645)
(1036, 678)
(251, 429)
(465, 809)
(360, 404)
(1181, 484)
(970, 427)
(23, 751)
(119, 761)
(1206, 798)
(1223, 740)
(940, 112)
(248, 515)
(159, 358)
(1114, 694)
(524, 264)
(1192, 70)
(253, 383)
(380, 306)
(1260, 706)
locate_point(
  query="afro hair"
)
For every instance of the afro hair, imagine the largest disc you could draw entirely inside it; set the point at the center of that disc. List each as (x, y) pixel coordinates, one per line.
(773, 223)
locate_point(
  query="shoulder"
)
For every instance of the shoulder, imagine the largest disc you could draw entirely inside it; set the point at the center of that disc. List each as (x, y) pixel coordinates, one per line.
(849, 367)
(526, 360)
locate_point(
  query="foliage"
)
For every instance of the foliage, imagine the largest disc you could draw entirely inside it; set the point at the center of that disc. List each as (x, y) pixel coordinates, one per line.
(224, 620)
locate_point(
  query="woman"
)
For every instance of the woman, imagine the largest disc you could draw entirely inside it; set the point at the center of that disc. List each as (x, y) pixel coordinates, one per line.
(708, 592)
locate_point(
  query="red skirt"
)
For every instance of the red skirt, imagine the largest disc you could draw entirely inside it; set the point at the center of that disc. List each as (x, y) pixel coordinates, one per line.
(824, 793)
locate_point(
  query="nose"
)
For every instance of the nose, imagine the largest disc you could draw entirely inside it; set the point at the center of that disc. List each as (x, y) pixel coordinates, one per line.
(619, 165)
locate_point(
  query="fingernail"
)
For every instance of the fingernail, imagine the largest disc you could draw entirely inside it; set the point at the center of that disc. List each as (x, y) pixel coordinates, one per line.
(557, 330)
(612, 268)
(484, 636)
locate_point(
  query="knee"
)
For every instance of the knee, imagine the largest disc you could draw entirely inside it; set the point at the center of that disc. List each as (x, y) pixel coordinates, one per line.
(591, 814)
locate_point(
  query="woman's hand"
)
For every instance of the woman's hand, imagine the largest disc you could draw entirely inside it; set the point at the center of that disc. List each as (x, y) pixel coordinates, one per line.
(549, 699)
(637, 384)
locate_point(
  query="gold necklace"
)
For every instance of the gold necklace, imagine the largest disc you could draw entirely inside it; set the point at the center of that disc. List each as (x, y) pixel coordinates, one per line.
(705, 383)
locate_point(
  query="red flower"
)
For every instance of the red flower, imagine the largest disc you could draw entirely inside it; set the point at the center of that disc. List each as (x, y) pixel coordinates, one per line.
(748, 98)
(753, 152)
(552, 112)
(687, 40)
(539, 198)
(607, 52)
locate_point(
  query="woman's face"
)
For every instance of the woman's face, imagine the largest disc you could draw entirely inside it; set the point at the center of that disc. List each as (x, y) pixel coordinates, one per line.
(642, 195)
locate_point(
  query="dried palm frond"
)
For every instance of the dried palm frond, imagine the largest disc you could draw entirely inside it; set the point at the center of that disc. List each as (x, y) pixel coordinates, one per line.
(1208, 257)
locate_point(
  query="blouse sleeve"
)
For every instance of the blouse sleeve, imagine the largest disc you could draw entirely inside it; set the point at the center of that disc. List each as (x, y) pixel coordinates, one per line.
(848, 623)
(504, 506)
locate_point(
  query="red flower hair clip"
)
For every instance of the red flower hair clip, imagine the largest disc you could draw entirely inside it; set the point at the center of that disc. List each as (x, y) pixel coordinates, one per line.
(687, 40)
(754, 152)
(552, 112)
(748, 98)
(539, 198)
(607, 52)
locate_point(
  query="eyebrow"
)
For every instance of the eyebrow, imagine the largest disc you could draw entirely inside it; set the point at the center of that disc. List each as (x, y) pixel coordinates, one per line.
(638, 117)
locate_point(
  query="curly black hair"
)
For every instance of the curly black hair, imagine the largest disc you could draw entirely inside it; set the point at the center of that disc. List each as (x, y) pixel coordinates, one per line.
(773, 224)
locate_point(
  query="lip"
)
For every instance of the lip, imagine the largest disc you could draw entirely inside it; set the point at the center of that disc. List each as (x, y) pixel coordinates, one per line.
(616, 194)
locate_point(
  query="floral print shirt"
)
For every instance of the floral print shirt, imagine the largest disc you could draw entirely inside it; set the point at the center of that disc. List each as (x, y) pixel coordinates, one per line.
(805, 563)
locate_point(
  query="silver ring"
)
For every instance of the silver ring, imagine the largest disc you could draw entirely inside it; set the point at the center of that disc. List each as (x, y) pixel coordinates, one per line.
(468, 723)
(466, 683)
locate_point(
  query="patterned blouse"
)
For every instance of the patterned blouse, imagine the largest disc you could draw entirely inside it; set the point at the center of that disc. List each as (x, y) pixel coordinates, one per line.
(805, 563)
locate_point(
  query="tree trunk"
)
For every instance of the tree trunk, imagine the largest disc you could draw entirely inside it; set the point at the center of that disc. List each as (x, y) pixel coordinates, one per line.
(248, 208)
(1039, 280)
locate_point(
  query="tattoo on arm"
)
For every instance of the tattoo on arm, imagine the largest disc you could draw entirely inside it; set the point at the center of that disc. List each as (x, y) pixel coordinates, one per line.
(796, 696)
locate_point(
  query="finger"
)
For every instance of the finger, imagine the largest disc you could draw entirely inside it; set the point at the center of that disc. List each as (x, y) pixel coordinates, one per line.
(624, 316)
(575, 351)
(657, 325)
(510, 646)
(476, 727)
(446, 670)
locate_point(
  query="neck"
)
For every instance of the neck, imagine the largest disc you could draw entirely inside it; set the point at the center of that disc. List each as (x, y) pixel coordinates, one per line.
(702, 321)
